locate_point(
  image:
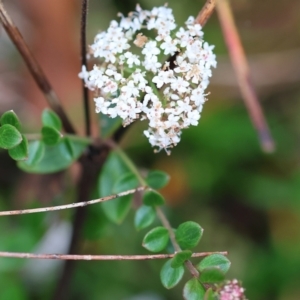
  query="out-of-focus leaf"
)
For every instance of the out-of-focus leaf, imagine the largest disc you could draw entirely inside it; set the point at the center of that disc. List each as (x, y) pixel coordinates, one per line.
(51, 119)
(126, 182)
(212, 275)
(50, 135)
(156, 239)
(193, 290)
(114, 167)
(10, 137)
(36, 150)
(153, 198)
(144, 217)
(169, 276)
(55, 158)
(215, 260)
(180, 257)
(108, 125)
(188, 234)
(20, 152)
(157, 179)
(10, 118)
(210, 295)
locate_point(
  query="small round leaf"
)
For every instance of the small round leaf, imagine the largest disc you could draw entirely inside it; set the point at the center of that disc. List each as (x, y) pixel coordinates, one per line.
(156, 239)
(210, 295)
(51, 119)
(10, 137)
(193, 290)
(20, 152)
(126, 182)
(144, 217)
(188, 234)
(10, 118)
(153, 198)
(170, 276)
(215, 260)
(211, 275)
(51, 136)
(157, 179)
(180, 257)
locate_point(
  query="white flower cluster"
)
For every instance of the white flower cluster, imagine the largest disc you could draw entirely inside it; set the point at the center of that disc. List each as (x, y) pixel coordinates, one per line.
(160, 79)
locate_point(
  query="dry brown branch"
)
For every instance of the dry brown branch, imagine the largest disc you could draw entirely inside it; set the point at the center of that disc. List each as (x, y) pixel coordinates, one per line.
(206, 12)
(72, 205)
(34, 68)
(240, 65)
(99, 257)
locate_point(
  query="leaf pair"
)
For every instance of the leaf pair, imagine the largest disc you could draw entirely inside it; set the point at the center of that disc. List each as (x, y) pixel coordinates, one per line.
(11, 138)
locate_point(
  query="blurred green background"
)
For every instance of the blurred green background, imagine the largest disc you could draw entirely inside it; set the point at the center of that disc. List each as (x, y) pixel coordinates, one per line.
(248, 202)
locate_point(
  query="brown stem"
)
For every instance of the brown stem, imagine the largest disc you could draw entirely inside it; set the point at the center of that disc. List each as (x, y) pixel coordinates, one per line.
(240, 65)
(206, 12)
(90, 168)
(72, 205)
(99, 257)
(177, 248)
(85, 92)
(34, 68)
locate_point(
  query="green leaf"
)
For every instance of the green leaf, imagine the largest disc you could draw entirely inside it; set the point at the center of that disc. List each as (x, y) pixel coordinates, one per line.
(188, 234)
(215, 260)
(50, 135)
(10, 137)
(170, 276)
(193, 290)
(210, 295)
(51, 119)
(126, 182)
(10, 118)
(212, 275)
(144, 217)
(157, 179)
(153, 198)
(156, 239)
(109, 125)
(55, 158)
(180, 257)
(36, 151)
(112, 170)
(20, 152)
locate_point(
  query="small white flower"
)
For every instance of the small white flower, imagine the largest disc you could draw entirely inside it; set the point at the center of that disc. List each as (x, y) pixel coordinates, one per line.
(150, 49)
(180, 85)
(163, 77)
(101, 105)
(169, 45)
(132, 59)
(130, 89)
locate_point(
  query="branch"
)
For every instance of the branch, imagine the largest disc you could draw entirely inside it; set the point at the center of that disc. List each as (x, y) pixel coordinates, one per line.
(72, 205)
(34, 68)
(99, 257)
(240, 65)
(85, 92)
(176, 246)
(206, 12)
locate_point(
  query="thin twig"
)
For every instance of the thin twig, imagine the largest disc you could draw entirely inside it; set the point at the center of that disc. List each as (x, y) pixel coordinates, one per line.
(34, 68)
(85, 92)
(206, 12)
(100, 257)
(176, 246)
(241, 68)
(72, 205)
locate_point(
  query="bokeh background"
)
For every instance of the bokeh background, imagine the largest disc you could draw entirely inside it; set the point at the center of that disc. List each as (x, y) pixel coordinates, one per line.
(248, 202)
